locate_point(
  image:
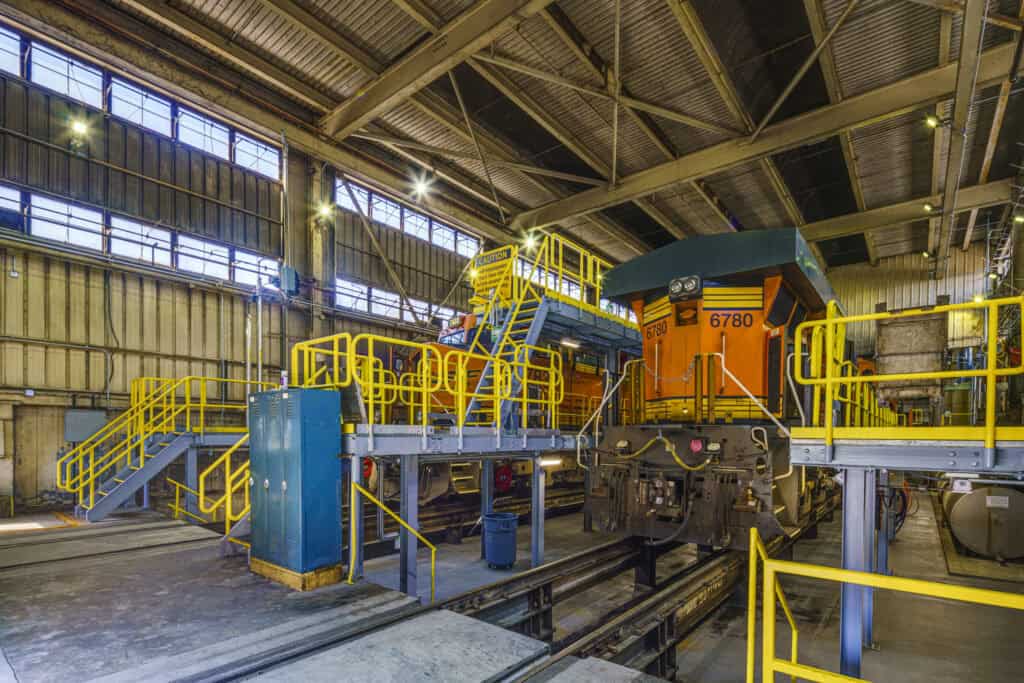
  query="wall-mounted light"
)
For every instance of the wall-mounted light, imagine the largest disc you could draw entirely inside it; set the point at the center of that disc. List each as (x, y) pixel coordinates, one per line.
(473, 272)
(570, 343)
(1019, 218)
(993, 275)
(325, 211)
(978, 298)
(530, 242)
(79, 128)
(928, 207)
(550, 462)
(935, 122)
(926, 254)
(421, 187)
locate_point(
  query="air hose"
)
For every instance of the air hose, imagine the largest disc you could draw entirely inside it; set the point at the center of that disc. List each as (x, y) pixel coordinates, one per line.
(670, 449)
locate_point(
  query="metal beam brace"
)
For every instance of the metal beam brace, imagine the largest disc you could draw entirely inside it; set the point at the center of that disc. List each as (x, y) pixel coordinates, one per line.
(470, 32)
(804, 68)
(876, 105)
(626, 100)
(816, 18)
(993, 140)
(966, 75)
(974, 197)
(476, 143)
(956, 7)
(394, 141)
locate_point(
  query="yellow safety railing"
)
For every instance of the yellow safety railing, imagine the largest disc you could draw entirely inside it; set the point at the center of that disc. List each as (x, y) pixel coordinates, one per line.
(464, 386)
(342, 361)
(771, 591)
(160, 406)
(861, 406)
(558, 267)
(177, 508)
(824, 339)
(352, 543)
(576, 408)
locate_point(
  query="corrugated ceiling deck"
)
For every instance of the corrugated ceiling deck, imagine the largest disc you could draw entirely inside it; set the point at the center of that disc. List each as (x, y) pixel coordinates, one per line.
(658, 65)
(894, 159)
(296, 50)
(690, 208)
(882, 42)
(749, 194)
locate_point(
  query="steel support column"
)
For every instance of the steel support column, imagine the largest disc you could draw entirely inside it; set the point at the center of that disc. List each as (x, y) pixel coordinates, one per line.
(355, 516)
(871, 519)
(858, 485)
(885, 525)
(486, 497)
(537, 514)
(409, 485)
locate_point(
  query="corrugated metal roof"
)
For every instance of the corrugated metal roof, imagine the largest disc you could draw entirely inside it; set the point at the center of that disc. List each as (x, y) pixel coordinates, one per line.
(750, 195)
(256, 27)
(894, 159)
(904, 282)
(881, 42)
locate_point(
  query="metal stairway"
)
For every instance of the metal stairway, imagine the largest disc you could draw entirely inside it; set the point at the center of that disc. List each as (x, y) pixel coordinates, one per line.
(514, 341)
(120, 487)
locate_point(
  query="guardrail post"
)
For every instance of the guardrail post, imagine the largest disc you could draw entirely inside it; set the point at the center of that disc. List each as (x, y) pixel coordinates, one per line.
(409, 487)
(991, 361)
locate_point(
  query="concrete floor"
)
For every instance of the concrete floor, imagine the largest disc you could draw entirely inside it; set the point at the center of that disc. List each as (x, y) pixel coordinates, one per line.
(918, 640)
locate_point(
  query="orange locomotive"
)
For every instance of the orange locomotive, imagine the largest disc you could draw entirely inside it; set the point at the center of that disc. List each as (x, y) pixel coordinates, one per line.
(704, 455)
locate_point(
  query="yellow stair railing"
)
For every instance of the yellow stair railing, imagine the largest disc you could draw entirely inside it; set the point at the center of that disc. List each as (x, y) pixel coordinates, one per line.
(772, 592)
(159, 406)
(353, 537)
(234, 476)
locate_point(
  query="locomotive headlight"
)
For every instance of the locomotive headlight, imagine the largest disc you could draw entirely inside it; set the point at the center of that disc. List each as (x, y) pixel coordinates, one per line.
(684, 288)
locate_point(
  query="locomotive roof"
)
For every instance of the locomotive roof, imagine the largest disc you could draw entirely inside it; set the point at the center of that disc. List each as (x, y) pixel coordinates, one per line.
(717, 257)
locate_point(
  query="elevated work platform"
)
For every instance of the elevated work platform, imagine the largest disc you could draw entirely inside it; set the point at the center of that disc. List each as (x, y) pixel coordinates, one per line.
(848, 427)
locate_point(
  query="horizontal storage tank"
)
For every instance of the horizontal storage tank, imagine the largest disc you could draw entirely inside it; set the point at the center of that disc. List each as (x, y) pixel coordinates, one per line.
(988, 521)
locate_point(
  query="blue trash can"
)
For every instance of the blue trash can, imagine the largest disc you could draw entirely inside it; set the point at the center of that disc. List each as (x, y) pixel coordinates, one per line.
(500, 539)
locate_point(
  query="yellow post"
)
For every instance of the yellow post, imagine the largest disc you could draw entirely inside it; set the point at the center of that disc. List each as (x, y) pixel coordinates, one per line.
(991, 362)
(768, 623)
(751, 603)
(830, 336)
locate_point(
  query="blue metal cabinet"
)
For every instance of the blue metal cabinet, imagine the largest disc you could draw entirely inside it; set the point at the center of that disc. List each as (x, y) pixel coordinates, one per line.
(295, 438)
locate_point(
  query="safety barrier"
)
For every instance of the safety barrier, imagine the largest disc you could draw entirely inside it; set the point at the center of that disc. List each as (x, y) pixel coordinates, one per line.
(434, 377)
(353, 544)
(160, 406)
(821, 342)
(771, 591)
(551, 265)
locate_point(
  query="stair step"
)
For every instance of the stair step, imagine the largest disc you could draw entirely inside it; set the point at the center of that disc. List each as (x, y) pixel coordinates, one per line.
(119, 481)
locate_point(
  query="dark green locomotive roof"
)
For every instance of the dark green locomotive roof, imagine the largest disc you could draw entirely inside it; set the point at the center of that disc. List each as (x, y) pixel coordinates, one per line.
(721, 258)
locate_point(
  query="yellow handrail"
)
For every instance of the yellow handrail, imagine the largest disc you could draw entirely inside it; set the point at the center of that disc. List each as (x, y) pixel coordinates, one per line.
(773, 568)
(757, 550)
(158, 406)
(356, 490)
(829, 356)
(176, 505)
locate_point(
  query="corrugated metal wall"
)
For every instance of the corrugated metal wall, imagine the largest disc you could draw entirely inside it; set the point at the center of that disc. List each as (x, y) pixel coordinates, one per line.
(154, 328)
(903, 282)
(428, 271)
(149, 176)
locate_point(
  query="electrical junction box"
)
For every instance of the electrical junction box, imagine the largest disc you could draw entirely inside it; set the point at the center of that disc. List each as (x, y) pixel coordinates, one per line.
(295, 480)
